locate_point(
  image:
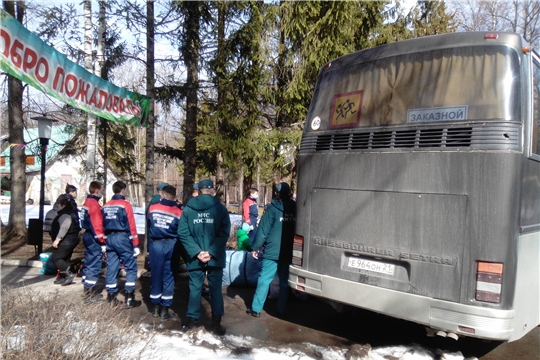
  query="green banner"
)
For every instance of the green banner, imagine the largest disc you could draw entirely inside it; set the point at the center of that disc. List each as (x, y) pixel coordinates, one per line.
(28, 58)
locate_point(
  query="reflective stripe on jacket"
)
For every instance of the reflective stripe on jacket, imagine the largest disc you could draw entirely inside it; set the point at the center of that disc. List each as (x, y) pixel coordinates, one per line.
(163, 220)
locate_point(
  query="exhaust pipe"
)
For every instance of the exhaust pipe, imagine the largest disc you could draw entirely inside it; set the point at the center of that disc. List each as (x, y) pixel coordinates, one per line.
(432, 332)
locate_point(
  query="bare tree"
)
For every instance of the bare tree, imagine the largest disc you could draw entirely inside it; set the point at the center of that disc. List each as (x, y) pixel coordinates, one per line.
(517, 16)
(17, 212)
(91, 119)
(150, 84)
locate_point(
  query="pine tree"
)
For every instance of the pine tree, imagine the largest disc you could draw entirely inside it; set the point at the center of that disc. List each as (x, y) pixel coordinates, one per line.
(150, 92)
(425, 18)
(431, 18)
(308, 35)
(238, 77)
(192, 12)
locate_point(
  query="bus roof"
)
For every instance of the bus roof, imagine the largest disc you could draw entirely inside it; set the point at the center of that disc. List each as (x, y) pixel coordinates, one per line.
(443, 41)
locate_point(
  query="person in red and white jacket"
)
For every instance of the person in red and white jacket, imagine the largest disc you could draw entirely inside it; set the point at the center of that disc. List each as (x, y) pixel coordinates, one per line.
(122, 243)
(94, 241)
(250, 213)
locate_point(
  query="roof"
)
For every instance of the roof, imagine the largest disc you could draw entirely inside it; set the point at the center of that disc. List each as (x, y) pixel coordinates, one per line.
(60, 135)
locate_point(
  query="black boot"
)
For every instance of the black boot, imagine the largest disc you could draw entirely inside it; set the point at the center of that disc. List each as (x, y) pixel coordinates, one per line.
(91, 296)
(192, 324)
(112, 300)
(69, 278)
(156, 310)
(253, 313)
(130, 300)
(164, 314)
(216, 326)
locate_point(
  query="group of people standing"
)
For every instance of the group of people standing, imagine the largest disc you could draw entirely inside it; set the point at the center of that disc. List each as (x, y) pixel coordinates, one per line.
(201, 229)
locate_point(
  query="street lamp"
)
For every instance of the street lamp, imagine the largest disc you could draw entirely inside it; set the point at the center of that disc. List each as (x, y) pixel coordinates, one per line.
(44, 131)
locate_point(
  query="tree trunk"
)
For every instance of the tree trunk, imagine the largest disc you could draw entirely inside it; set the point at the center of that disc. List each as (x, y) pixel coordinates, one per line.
(141, 189)
(227, 194)
(150, 83)
(90, 119)
(163, 162)
(190, 52)
(98, 69)
(241, 191)
(280, 71)
(259, 181)
(105, 156)
(220, 66)
(17, 211)
(100, 39)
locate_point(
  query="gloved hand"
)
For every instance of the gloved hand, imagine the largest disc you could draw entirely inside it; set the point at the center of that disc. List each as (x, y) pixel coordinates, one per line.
(136, 252)
(251, 227)
(103, 249)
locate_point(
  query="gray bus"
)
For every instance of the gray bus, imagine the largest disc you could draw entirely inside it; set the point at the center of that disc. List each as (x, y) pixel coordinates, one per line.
(419, 184)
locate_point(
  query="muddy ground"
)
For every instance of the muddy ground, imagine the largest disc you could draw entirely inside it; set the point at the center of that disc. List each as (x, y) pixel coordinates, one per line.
(306, 320)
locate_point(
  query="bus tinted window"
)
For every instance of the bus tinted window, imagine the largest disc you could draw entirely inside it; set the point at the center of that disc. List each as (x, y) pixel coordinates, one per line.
(536, 107)
(464, 83)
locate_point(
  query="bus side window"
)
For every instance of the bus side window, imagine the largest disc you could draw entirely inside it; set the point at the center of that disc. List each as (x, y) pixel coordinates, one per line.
(536, 107)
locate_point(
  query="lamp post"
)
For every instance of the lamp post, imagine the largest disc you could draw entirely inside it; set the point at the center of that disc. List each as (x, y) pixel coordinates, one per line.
(44, 131)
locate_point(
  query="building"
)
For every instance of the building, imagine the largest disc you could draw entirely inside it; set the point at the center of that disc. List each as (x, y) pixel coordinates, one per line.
(62, 168)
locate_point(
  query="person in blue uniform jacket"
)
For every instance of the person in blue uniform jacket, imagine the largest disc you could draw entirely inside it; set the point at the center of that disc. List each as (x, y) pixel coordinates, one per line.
(163, 219)
(122, 243)
(204, 230)
(276, 234)
(154, 200)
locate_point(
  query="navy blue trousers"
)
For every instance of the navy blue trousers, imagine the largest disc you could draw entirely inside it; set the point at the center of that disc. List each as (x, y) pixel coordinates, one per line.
(252, 235)
(92, 259)
(120, 247)
(162, 283)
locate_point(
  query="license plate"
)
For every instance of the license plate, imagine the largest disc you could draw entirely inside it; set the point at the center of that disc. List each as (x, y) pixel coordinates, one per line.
(370, 265)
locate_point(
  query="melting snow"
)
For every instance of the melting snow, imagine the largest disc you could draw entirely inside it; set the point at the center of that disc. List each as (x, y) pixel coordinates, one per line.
(199, 344)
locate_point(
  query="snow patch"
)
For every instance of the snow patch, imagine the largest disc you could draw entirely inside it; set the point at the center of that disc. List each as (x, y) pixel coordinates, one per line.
(200, 344)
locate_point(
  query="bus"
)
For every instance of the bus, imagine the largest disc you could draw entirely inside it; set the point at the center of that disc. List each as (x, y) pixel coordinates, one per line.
(419, 185)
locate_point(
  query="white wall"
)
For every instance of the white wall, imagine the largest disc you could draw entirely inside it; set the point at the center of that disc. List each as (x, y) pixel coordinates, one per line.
(68, 170)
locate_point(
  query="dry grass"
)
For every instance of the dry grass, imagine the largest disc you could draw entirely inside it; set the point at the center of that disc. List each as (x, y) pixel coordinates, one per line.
(51, 326)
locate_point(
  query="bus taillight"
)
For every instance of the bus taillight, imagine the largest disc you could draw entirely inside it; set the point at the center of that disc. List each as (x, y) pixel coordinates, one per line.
(298, 250)
(489, 282)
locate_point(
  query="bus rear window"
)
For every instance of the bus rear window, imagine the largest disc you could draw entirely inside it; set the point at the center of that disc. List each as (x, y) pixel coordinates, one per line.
(466, 83)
